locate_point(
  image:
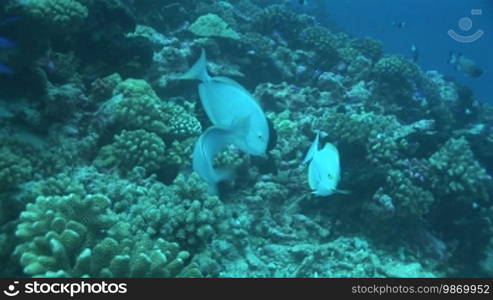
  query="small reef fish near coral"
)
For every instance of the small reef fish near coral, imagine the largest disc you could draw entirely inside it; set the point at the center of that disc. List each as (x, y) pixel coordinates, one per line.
(324, 168)
(296, 148)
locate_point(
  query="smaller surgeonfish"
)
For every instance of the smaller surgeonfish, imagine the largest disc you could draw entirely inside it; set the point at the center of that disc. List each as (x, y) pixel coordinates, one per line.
(5, 43)
(324, 170)
(465, 64)
(211, 142)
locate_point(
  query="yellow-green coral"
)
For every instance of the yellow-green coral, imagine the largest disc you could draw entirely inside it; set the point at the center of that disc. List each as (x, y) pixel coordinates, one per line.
(211, 25)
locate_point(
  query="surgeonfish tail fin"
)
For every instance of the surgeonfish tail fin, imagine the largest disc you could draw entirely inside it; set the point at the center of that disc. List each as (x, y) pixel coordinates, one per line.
(344, 192)
(199, 70)
(224, 174)
(212, 141)
(313, 148)
(212, 189)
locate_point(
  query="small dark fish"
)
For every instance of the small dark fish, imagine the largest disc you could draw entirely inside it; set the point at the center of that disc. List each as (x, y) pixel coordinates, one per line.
(415, 53)
(6, 70)
(399, 24)
(5, 43)
(9, 20)
(465, 64)
(272, 136)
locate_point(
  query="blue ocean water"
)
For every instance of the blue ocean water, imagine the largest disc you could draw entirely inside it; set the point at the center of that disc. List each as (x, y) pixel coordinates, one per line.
(426, 26)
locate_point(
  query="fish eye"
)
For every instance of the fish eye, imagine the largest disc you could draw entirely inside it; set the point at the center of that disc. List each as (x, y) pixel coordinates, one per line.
(330, 176)
(260, 136)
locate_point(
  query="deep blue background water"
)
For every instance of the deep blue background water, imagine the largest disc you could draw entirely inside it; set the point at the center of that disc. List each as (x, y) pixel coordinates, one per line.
(427, 23)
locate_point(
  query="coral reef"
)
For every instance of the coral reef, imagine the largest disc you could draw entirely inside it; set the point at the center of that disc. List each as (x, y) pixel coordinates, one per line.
(98, 130)
(62, 16)
(211, 25)
(458, 172)
(14, 169)
(131, 149)
(138, 107)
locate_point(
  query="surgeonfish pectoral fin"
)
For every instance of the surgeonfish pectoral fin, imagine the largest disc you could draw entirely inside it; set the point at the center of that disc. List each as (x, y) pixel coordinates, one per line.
(344, 192)
(313, 148)
(212, 189)
(241, 125)
(199, 70)
(224, 174)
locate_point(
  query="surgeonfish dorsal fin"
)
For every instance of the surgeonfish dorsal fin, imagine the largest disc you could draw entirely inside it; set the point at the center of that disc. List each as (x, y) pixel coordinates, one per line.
(199, 70)
(342, 192)
(313, 148)
(229, 81)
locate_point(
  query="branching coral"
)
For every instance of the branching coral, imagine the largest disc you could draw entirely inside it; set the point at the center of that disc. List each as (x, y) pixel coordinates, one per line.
(324, 43)
(369, 47)
(212, 25)
(395, 69)
(458, 172)
(140, 108)
(130, 149)
(409, 200)
(87, 233)
(55, 228)
(14, 169)
(58, 15)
